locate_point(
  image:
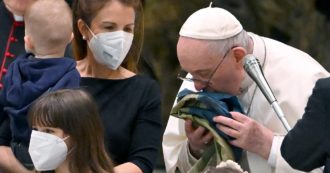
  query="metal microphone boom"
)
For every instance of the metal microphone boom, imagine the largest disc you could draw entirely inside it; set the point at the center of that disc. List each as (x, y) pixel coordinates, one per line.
(253, 69)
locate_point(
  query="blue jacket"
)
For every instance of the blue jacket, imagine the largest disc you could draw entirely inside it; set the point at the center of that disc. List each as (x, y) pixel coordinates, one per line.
(27, 79)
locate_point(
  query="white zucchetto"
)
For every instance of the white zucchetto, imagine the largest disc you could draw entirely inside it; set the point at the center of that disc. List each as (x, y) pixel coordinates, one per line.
(211, 24)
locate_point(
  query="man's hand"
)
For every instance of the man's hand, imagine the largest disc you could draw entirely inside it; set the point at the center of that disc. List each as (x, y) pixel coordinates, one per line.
(199, 138)
(249, 134)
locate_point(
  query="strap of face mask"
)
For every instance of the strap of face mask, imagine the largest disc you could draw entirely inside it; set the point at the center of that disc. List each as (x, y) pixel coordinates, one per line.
(65, 138)
(89, 29)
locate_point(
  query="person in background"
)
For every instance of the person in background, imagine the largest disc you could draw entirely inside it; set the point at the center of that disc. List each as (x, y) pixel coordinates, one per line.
(67, 135)
(107, 43)
(211, 48)
(12, 32)
(48, 30)
(307, 144)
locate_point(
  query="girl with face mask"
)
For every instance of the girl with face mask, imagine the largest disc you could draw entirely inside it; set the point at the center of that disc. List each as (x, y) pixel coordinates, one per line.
(67, 135)
(107, 43)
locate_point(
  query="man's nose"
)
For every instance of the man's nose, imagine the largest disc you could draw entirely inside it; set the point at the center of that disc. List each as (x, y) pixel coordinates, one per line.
(199, 85)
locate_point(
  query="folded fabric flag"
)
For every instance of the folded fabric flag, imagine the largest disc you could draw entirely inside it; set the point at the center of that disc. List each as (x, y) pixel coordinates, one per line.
(201, 107)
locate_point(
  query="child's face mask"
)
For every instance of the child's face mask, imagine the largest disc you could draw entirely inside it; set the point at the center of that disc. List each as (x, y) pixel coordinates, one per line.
(47, 151)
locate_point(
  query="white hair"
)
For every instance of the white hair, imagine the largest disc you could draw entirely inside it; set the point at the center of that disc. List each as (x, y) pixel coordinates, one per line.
(222, 46)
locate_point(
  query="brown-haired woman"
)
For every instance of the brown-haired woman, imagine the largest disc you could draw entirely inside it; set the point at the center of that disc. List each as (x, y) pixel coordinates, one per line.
(107, 43)
(67, 135)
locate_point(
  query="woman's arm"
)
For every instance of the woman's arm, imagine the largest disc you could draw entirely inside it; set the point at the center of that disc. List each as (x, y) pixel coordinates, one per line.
(8, 162)
(147, 132)
(127, 167)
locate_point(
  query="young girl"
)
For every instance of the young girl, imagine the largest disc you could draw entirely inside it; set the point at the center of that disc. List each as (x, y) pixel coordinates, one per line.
(67, 135)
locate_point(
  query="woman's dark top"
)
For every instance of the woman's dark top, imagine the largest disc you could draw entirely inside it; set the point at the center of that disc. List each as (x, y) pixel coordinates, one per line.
(131, 114)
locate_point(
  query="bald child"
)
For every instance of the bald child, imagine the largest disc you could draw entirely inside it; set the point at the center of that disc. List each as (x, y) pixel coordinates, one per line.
(48, 28)
(48, 31)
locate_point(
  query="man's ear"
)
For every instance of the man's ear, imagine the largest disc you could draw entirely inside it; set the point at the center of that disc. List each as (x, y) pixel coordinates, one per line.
(239, 53)
(28, 42)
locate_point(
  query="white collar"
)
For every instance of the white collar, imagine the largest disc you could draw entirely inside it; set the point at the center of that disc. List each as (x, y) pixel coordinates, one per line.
(18, 18)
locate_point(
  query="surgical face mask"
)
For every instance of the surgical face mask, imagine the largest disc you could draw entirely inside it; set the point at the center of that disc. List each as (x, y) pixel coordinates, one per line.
(47, 151)
(110, 48)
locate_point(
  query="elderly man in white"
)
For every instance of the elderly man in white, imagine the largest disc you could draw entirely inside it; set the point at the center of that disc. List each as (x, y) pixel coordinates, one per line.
(211, 48)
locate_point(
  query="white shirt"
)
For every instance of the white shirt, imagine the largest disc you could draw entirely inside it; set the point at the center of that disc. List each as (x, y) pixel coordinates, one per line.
(290, 73)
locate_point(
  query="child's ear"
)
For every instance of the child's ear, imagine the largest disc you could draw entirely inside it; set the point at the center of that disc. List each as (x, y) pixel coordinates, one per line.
(72, 36)
(28, 43)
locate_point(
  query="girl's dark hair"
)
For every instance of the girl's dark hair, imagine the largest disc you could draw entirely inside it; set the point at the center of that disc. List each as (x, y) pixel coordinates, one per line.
(77, 115)
(88, 9)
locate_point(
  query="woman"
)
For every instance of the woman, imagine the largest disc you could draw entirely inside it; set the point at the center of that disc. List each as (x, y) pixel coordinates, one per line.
(67, 135)
(108, 39)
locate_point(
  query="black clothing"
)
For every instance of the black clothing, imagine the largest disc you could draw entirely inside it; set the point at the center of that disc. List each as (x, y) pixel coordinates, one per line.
(307, 145)
(21, 153)
(130, 111)
(11, 39)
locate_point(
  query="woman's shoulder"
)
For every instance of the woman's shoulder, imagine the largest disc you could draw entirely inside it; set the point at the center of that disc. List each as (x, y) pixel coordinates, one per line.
(145, 78)
(138, 81)
(145, 81)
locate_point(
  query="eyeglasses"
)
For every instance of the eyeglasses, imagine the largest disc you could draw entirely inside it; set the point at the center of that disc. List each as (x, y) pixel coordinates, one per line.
(182, 75)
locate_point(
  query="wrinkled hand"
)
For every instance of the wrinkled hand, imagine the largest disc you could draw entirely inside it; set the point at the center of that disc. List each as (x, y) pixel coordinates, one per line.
(199, 138)
(249, 134)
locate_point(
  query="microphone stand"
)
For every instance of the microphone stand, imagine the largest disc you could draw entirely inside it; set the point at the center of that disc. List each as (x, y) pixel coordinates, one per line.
(252, 67)
(280, 115)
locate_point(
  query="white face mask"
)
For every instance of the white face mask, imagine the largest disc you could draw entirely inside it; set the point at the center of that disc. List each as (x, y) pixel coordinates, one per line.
(47, 151)
(111, 48)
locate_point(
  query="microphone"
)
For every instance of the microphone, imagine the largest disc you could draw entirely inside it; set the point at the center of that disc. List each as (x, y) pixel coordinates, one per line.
(254, 70)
